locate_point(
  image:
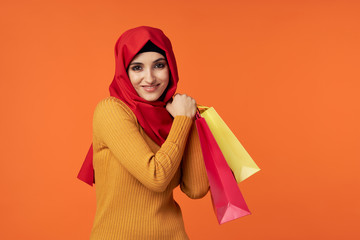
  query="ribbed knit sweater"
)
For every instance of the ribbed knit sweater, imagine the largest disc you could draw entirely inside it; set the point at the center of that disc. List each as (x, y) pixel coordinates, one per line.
(135, 177)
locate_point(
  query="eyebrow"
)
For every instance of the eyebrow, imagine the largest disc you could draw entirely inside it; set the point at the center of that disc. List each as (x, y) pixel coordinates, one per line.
(159, 59)
(135, 63)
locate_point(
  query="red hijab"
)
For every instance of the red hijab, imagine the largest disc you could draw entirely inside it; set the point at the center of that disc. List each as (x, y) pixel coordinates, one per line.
(152, 116)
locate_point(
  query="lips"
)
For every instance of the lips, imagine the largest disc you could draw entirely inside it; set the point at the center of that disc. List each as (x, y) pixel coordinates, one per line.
(151, 85)
(150, 88)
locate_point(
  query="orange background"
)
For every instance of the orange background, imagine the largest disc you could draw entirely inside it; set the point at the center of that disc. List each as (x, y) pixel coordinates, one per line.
(284, 75)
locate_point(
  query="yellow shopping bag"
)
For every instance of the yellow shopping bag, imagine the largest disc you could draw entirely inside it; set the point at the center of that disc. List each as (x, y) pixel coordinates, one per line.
(235, 154)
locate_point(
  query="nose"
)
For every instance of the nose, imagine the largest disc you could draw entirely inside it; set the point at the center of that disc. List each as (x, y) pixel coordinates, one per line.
(149, 77)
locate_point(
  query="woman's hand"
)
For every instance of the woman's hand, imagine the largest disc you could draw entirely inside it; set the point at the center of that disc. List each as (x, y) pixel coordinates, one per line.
(182, 104)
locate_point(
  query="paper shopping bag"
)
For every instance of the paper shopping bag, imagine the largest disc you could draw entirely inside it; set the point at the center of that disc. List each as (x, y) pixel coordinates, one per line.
(227, 199)
(240, 162)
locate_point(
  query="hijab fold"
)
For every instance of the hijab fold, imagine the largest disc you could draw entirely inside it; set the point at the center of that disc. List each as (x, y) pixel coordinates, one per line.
(152, 116)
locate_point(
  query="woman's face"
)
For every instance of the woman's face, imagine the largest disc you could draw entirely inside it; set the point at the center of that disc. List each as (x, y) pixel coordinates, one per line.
(149, 75)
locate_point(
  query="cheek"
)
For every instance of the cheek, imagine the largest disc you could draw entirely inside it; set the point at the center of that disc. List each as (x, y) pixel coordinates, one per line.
(164, 76)
(134, 79)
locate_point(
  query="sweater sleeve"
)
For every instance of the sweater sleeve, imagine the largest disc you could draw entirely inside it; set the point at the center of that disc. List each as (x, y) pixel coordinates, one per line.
(118, 130)
(194, 181)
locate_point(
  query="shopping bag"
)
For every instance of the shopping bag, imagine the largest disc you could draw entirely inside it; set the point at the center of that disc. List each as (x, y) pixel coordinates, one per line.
(227, 199)
(239, 160)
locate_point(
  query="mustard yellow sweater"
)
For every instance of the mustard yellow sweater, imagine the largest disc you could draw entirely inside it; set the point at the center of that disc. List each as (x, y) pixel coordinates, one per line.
(135, 177)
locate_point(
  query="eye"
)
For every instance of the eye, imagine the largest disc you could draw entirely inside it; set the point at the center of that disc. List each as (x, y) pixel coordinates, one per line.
(136, 68)
(160, 65)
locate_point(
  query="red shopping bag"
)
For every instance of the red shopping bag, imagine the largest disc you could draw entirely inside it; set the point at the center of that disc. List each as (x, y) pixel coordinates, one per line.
(227, 199)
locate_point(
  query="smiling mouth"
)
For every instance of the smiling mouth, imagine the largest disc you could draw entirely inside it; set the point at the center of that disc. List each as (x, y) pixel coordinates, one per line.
(150, 88)
(151, 85)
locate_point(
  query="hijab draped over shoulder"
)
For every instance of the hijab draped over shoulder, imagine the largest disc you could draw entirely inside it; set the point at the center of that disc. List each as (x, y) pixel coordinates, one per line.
(152, 116)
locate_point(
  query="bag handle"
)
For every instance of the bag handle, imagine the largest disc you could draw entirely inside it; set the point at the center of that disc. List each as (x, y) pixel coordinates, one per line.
(197, 115)
(200, 109)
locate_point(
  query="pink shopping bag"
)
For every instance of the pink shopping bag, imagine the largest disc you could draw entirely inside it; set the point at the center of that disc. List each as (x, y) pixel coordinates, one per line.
(227, 199)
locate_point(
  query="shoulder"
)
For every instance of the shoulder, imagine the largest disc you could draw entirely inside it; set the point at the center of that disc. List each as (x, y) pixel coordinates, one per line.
(113, 106)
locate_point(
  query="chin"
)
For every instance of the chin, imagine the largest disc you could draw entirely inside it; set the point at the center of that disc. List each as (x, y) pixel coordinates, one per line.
(151, 98)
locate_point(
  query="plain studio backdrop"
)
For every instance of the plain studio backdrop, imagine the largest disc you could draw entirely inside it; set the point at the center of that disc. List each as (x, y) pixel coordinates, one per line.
(284, 76)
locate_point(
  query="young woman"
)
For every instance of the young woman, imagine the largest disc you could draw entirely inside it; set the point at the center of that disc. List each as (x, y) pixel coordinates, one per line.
(145, 144)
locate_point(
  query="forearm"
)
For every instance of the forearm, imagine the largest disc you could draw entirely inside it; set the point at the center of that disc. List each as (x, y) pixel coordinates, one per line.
(163, 165)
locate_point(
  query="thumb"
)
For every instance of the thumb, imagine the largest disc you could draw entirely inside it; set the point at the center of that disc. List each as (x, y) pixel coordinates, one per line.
(169, 102)
(168, 105)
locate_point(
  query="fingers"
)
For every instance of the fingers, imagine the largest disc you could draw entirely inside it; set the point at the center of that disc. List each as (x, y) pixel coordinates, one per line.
(185, 96)
(182, 104)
